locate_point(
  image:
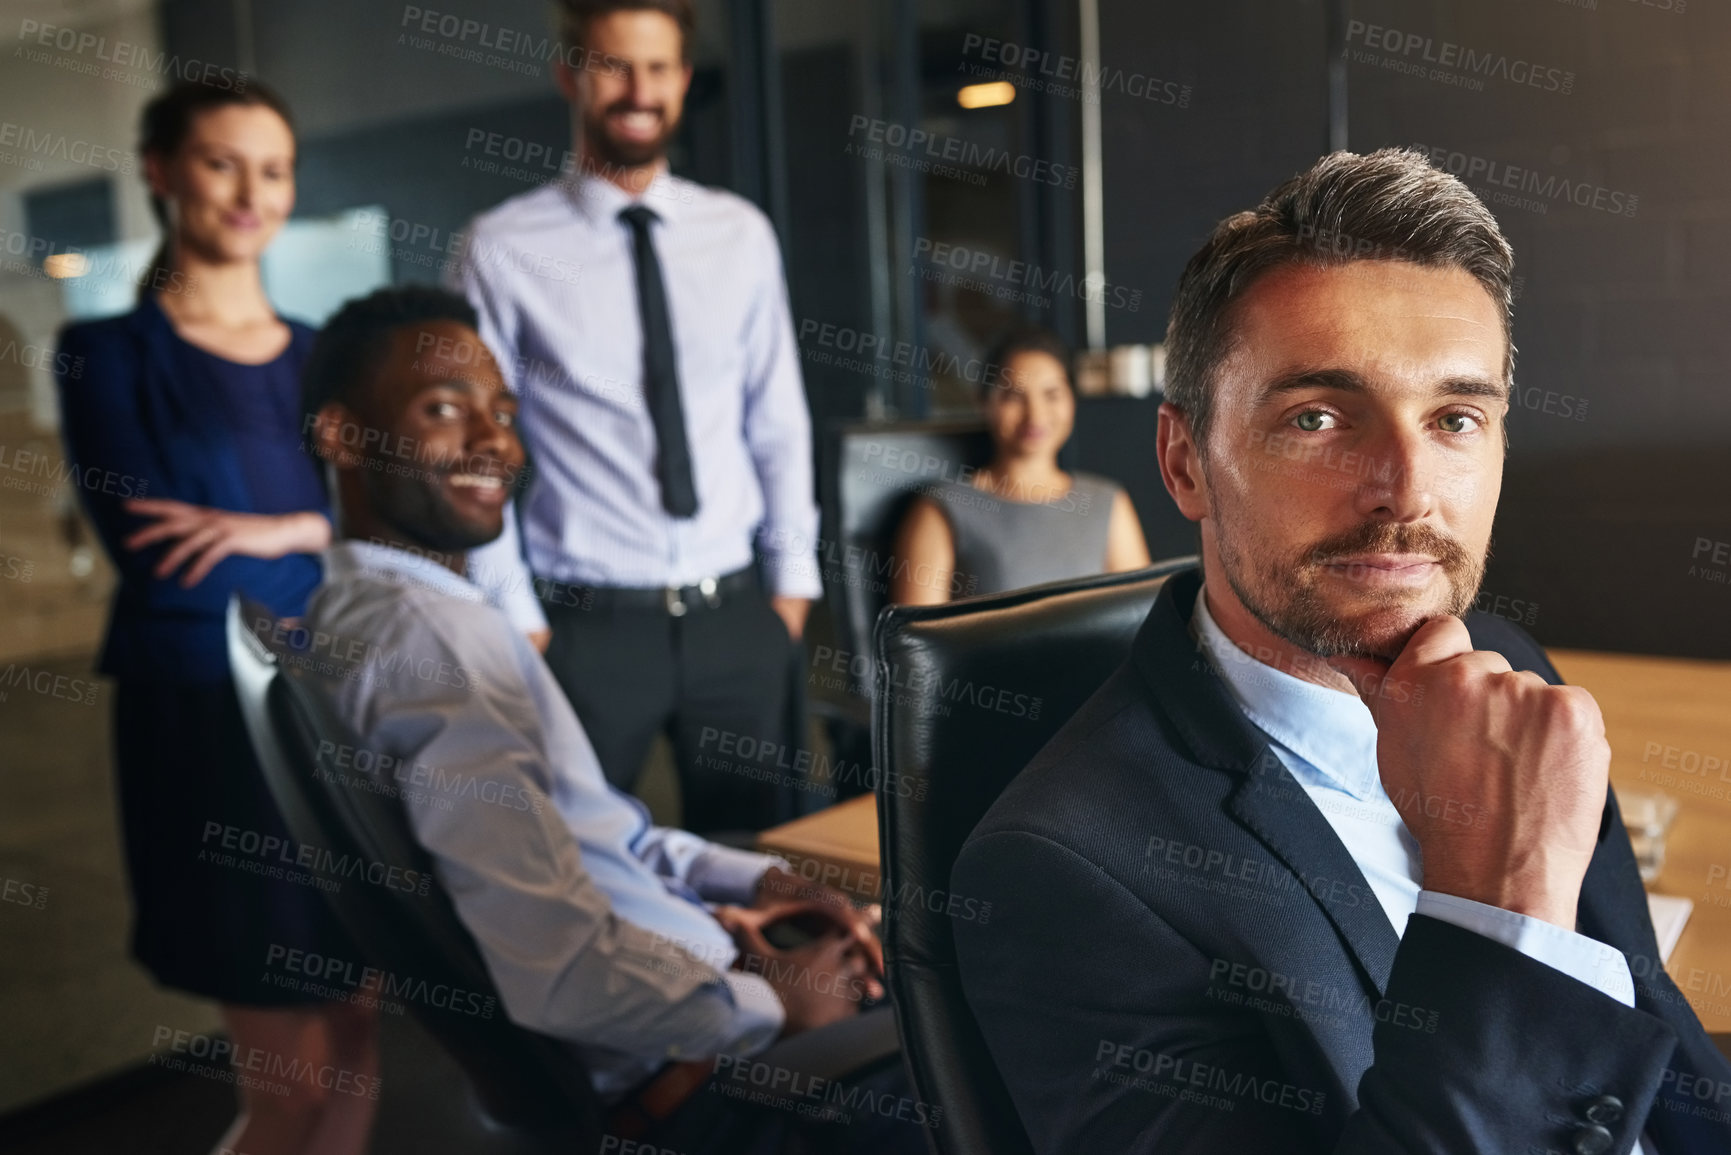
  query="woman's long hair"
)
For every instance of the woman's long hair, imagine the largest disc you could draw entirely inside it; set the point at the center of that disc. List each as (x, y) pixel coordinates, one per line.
(166, 124)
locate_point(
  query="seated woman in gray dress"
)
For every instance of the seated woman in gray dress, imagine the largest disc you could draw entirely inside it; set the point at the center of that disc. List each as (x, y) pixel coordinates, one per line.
(1020, 520)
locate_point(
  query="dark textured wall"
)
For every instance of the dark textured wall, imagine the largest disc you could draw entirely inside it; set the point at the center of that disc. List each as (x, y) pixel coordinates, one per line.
(1601, 138)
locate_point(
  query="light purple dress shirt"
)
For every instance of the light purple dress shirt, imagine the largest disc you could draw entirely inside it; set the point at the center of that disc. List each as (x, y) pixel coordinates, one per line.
(553, 277)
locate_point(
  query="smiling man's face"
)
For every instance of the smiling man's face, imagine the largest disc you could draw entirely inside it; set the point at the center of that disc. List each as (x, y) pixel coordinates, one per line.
(1354, 459)
(445, 455)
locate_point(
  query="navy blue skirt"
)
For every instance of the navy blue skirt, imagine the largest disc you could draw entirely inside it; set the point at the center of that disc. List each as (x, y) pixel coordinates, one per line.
(213, 913)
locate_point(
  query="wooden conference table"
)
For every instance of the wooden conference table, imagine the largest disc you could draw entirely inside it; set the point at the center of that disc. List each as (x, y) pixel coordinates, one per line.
(1669, 722)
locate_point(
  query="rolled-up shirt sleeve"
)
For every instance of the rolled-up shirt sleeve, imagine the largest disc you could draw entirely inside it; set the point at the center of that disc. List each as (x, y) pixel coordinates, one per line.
(714, 872)
(564, 961)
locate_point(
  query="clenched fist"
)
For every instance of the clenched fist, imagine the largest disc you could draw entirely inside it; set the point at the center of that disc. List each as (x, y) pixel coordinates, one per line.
(1525, 763)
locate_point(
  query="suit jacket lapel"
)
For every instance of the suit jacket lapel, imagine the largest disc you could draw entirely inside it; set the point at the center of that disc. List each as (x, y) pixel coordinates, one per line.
(1267, 800)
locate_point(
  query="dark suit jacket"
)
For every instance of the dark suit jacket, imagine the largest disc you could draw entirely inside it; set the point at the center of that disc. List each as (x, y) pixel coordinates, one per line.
(137, 425)
(1183, 957)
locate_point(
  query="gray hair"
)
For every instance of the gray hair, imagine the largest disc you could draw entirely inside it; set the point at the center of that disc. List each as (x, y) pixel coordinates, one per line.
(1390, 205)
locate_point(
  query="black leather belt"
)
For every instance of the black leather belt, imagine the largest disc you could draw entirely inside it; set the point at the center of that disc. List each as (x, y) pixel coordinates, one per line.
(676, 601)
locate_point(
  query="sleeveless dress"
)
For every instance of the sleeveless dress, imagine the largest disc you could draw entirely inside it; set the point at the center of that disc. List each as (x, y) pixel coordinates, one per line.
(1004, 545)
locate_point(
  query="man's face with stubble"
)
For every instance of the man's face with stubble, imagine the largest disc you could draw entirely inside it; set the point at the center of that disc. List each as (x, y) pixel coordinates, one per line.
(439, 454)
(1351, 472)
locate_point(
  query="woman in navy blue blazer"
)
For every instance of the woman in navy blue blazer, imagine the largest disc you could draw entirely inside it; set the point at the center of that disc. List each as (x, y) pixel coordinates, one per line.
(183, 425)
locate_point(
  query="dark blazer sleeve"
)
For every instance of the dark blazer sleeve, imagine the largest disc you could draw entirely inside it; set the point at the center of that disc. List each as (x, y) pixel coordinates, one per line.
(112, 444)
(1096, 1012)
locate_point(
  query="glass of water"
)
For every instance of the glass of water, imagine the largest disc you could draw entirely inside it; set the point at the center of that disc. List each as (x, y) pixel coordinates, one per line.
(1648, 815)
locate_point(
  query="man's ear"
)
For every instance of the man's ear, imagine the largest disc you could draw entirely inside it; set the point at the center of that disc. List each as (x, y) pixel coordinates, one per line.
(328, 426)
(565, 77)
(1180, 457)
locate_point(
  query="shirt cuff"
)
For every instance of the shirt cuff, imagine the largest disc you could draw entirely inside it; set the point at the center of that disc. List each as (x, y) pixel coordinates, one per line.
(792, 575)
(723, 874)
(760, 1013)
(1585, 959)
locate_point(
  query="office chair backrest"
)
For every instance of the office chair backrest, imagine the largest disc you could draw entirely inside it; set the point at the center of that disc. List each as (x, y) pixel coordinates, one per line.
(871, 477)
(525, 1083)
(965, 695)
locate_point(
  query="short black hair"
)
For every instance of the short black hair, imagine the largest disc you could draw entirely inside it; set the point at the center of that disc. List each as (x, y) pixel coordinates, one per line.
(350, 348)
(1024, 338)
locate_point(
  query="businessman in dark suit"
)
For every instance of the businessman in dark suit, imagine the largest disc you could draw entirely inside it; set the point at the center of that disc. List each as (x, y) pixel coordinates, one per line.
(1331, 863)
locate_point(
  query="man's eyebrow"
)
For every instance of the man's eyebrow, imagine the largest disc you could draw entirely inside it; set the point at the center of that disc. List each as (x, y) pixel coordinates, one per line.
(1342, 380)
(1346, 381)
(469, 385)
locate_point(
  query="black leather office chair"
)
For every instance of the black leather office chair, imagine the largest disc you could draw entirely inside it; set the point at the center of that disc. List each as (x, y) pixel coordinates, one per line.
(531, 1092)
(1053, 645)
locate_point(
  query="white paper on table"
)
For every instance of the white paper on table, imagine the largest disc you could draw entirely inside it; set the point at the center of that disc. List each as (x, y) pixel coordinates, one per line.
(1670, 913)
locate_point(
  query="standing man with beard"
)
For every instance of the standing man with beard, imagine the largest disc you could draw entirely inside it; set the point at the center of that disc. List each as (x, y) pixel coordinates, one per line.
(1331, 863)
(662, 401)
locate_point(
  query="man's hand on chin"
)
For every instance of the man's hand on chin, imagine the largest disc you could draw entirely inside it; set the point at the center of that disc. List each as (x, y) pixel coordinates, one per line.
(1500, 776)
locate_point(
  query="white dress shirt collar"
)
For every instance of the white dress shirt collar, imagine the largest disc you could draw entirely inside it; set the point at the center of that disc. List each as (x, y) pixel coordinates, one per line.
(350, 557)
(1330, 729)
(600, 201)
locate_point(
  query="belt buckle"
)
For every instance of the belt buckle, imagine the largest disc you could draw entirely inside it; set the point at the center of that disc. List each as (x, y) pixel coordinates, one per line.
(675, 604)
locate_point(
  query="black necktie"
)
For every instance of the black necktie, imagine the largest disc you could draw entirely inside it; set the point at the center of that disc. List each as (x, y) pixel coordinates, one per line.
(661, 372)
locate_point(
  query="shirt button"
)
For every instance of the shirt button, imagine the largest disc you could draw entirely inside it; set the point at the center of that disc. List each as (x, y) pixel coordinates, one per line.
(1606, 1109)
(1593, 1140)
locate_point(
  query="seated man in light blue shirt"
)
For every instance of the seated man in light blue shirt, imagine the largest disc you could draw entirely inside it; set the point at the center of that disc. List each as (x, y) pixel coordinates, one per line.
(597, 926)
